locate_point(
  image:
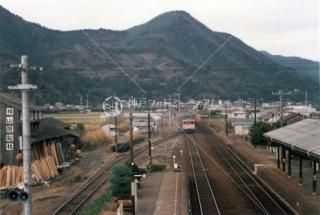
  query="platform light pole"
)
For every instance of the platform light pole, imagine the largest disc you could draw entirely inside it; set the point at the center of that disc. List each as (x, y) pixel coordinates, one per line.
(25, 87)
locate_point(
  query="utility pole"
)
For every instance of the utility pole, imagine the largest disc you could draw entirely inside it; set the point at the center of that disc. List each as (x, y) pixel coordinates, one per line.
(255, 111)
(25, 87)
(87, 103)
(162, 120)
(226, 119)
(116, 132)
(149, 140)
(306, 100)
(131, 140)
(280, 93)
(169, 110)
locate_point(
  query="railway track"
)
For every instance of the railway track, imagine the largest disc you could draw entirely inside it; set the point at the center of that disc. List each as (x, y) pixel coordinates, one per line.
(201, 192)
(99, 178)
(265, 201)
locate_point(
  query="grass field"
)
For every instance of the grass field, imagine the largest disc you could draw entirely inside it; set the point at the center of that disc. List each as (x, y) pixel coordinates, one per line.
(74, 118)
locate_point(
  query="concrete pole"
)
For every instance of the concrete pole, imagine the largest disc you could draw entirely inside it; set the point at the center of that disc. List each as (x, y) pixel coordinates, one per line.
(281, 109)
(149, 140)
(26, 146)
(226, 119)
(116, 132)
(169, 110)
(25, 87)
(131, 140)
(255, 111)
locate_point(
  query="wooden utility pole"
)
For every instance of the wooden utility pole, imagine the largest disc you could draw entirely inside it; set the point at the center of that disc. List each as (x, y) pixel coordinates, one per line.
(131, 140)
(169, 110)
(116, 132)
(162, 121)
(149, 140)
(255, 111)
(226, 119)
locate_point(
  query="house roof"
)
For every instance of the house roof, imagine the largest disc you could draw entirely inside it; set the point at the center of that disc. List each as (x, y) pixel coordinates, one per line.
(302, 136)
(15, 101)
(244, 122)
(50, 128)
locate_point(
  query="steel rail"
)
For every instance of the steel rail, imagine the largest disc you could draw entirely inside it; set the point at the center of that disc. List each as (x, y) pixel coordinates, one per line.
(69, 207)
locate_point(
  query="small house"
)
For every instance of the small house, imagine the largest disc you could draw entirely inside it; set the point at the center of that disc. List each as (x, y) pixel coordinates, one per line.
(242, 126)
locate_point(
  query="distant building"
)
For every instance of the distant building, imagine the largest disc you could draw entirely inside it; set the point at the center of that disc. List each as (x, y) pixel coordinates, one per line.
(242, 126)
(291, 118)
(302, 109)
(237, 113)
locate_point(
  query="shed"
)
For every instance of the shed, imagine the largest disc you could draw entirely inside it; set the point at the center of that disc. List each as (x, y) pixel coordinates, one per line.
(242, 126)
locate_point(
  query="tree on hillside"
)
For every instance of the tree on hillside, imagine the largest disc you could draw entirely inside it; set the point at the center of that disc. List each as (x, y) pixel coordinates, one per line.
(121, 180)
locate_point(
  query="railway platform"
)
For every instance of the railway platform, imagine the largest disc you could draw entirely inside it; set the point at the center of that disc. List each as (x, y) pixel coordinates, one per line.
(163, 193)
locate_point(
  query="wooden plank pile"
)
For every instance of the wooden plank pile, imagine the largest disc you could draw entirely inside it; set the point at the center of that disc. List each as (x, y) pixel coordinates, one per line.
(10, 175)
(44, 167)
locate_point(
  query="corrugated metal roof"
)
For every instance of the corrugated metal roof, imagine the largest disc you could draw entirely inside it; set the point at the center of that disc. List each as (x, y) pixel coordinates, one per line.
(51, 128)
(303, 136)
(15, 101)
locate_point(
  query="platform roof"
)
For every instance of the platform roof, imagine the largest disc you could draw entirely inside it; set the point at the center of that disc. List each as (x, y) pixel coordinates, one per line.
(302, 136)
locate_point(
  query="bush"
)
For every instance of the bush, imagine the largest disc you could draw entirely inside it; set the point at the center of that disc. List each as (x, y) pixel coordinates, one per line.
(79, 128)
(121, 180)
(257, 131)
(94, 136)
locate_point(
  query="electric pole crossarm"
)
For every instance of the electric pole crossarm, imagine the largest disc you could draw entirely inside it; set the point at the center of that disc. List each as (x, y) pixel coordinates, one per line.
(23, 87)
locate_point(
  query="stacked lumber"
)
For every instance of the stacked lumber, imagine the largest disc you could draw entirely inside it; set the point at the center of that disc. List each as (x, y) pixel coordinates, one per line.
(42, 170)
(54, 154)
(45, 149)
(10, 176)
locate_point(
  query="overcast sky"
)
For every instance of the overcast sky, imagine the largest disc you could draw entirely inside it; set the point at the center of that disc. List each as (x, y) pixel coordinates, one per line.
(287, 27)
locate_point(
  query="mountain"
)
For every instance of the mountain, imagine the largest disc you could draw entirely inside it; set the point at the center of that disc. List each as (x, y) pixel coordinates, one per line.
(300, 65)
(158, 55)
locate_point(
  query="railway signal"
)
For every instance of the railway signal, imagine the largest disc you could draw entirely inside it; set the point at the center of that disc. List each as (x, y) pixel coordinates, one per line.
(17, 195)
